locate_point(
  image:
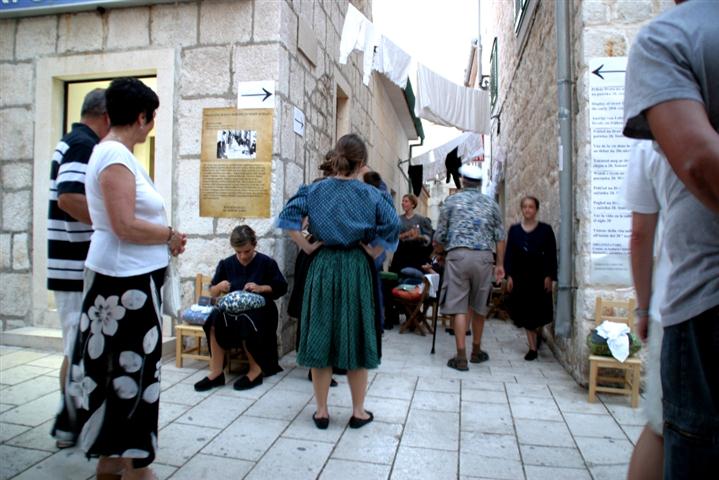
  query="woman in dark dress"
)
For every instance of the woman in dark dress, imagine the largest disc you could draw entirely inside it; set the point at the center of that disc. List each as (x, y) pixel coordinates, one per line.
(530, 263)
(254, 272)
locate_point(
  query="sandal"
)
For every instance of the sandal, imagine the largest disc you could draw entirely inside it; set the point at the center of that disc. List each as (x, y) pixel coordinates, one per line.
(458, 364)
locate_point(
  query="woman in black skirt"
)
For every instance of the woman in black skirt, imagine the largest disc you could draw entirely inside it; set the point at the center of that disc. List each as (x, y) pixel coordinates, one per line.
(254, 272)
(112, 394)
(530, 263)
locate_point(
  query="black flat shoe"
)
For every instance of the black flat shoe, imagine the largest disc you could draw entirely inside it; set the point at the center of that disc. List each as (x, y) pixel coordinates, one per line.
(207, 384)
(321, 423)
(531, 355)
(244, 382)
(361, 422)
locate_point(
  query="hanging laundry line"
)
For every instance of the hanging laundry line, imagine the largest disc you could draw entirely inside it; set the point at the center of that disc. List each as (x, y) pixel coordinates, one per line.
(469, 146)
(439, 100)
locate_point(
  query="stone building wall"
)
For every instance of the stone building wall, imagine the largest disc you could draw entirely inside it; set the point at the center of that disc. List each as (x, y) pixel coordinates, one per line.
(208, 46)
(527, 140)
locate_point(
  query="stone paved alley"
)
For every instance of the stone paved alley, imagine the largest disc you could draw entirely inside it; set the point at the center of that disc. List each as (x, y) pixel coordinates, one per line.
(505, 419)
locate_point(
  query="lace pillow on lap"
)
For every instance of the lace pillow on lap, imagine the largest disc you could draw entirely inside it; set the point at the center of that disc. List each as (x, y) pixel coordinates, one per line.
(240, 301)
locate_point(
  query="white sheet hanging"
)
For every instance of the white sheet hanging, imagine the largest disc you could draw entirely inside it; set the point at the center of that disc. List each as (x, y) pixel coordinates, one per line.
(358, 33)
(393, 62)
(468, 144)
(446, 103)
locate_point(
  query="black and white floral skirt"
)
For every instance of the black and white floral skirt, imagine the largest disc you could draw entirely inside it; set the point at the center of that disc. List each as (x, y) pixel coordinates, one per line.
(112, 393)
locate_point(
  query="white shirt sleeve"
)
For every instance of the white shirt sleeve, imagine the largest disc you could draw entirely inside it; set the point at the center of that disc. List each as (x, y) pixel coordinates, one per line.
(639, 194)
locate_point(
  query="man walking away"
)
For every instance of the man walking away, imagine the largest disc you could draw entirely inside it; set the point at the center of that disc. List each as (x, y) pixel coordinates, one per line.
(69, 225)
(469, 229)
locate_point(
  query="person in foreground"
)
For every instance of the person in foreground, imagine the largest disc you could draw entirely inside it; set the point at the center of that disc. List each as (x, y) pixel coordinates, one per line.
(469, 229)
(69, 227)
(113, 393)
(530, 264)
(644, 195)
(340, 321)
(672, 96)
(254, 272)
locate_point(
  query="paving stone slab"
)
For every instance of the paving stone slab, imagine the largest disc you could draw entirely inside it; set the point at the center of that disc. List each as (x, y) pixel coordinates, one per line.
(543, 433)
(377, 441)
(291, 459)
(392, 386)
(534, 408)
(414, 463)
(248, 438)
(427, 429)
(587, 425)
(178, 443)
(487, 418)
(535, 472)
(33, 413)
(15, 460)
(282, 404)
(552, 456)
(348, 470)
(22, 373)
(203, 466)
(65, 464)
(303, 427)
(37, 438)
(30, 390)
(490, 445)
(215, 411)
(604, 451)
(474, 465)
(436, 401)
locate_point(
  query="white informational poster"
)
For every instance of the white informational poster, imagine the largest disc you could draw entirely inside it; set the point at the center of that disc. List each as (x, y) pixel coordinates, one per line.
(610, 222)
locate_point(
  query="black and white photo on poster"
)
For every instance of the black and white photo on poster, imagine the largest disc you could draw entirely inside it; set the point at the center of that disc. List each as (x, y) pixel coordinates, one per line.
(236, 144)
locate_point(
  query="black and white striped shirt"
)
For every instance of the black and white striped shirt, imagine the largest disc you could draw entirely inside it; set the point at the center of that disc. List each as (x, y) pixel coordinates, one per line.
(68, 239)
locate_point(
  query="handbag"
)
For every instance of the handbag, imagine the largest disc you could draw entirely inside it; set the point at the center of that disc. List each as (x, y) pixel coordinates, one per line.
(240, 301)
(171, 297)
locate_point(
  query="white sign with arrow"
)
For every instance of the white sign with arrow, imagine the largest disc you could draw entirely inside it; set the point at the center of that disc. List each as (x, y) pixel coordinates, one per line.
(259, 94)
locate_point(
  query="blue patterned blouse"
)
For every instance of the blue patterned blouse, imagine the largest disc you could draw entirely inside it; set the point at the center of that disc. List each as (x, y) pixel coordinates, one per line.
(343, 213)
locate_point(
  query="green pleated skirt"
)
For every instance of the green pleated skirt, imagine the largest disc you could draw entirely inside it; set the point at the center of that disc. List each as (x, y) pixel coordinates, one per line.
(338, 312)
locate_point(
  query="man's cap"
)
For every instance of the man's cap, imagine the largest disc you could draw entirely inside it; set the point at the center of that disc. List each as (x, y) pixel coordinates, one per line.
(471, 172)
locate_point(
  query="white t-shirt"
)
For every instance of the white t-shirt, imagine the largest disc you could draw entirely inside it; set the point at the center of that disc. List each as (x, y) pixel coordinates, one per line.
(645, 179)
(108, 254)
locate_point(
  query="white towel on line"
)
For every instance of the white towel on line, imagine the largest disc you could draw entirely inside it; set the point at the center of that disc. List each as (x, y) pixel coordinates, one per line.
(358, 33)
(393, 62)
(446, 103)
(617, 338)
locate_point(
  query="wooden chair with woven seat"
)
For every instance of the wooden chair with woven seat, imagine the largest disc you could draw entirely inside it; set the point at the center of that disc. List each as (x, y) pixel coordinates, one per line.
(183, 330)
(415, 313)
(620, 311)
(196, 351)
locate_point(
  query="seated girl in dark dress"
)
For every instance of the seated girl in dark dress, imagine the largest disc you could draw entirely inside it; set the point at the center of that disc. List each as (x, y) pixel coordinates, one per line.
(254, 272)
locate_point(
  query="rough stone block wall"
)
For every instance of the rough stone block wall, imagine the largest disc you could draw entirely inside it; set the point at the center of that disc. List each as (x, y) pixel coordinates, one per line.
(217, 43)
(527, 140)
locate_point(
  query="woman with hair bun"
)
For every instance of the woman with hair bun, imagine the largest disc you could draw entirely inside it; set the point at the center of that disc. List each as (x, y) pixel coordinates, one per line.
(530, 264)
(340, 310)
(251, 271)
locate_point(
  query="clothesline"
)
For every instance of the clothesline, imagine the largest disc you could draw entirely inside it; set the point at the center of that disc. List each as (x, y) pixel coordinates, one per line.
(438, 100)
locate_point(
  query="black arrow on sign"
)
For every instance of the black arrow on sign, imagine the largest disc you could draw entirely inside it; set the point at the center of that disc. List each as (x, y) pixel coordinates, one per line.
(266, 94)
(300, 122)
(598, 72)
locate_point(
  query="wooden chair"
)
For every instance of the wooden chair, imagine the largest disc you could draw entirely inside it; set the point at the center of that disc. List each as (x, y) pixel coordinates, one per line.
(197, 352)
(182, 330)
(621, 311)
(415, 315)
